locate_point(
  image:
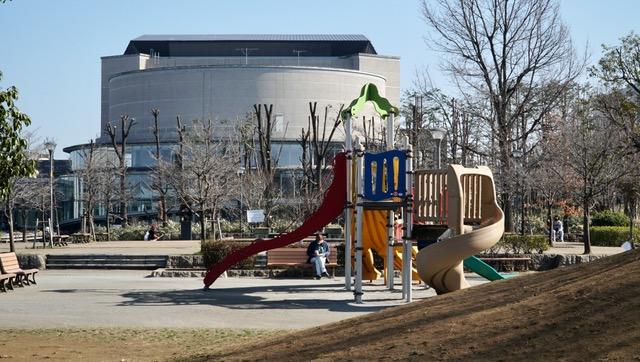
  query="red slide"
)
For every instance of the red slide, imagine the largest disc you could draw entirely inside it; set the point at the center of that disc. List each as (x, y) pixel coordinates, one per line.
(331, 208)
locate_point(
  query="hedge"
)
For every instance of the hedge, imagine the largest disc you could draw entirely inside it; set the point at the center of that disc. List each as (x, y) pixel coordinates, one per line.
(609, 218)
(520, 244)
(611, 235)
(214, 251)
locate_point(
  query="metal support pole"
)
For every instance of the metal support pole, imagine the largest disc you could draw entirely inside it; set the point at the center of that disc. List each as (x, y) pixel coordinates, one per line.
(390, 245)
(408, 225)
(438, 162)
(390, 229)
(51, 198)
(348, 210)
(359, 216)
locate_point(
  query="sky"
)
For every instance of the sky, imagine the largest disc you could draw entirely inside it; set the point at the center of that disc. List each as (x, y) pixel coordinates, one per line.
(50, 50)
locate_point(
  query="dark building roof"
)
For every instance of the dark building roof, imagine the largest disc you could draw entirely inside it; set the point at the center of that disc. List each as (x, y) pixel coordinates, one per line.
(258, 45)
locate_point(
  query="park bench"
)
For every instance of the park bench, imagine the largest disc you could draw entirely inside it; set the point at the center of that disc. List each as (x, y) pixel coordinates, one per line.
(9, 265)
(297, 257)
(507, 263)
(8, 280)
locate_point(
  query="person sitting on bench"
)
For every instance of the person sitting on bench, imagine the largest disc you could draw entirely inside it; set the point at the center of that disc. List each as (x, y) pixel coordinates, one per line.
(152, 234)
(557, 230)
(318, 252)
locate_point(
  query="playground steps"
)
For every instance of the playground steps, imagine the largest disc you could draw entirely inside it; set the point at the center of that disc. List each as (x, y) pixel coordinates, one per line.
(96, 261)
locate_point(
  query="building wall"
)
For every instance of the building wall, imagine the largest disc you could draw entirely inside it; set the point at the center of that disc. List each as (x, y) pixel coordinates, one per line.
(224, 93)
(224, 88)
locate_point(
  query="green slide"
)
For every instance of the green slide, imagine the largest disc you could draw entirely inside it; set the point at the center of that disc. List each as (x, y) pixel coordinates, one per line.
(483, 269)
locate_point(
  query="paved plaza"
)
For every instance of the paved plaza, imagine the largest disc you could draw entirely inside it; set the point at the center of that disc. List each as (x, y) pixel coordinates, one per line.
(127, 298)
(123, 298)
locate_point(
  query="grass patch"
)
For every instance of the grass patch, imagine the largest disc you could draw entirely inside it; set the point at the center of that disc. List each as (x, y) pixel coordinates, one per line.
(123, 344)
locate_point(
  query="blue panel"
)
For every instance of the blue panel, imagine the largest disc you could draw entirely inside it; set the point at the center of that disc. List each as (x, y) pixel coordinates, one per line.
(375, 191)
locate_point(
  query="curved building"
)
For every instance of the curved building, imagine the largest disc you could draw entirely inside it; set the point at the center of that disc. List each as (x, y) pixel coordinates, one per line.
(221, 77)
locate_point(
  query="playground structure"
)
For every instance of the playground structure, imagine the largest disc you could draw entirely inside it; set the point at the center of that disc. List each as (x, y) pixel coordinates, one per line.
(459, 201)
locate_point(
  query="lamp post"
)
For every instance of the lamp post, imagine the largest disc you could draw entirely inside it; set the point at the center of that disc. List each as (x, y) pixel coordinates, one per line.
(50, 146)
(241, 173)
(438, 135)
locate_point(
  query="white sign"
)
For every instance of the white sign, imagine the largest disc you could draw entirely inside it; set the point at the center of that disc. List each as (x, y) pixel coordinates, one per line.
(255, 216)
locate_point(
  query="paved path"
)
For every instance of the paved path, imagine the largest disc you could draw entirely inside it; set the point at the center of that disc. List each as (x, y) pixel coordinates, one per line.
(178, 247)
(119, 298)
(135, 247)
(578, 248)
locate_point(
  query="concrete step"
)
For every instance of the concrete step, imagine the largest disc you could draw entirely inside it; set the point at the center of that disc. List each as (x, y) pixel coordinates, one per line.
(94, 261)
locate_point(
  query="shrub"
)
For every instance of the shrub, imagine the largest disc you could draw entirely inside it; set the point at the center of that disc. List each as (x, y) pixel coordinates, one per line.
(524, 244)
(214, 252)
(611, 235)
(609, 218)
(137, 231)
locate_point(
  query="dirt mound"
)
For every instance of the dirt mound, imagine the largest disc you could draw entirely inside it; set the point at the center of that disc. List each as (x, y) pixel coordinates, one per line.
(585, 312)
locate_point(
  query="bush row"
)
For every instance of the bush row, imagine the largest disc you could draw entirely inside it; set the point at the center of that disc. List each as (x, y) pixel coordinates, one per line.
(611, 235)
(609, 218)
(520, 244)
(214, 251)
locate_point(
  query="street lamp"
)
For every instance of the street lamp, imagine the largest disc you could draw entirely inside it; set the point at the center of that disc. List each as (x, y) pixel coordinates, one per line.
(240, 173)
(50, 145)
(438, 135)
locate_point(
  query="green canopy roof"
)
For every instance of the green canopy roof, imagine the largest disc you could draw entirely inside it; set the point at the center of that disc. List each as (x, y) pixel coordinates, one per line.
(369, 92)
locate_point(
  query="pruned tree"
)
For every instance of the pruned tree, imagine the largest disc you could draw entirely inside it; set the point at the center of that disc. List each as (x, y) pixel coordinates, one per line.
(158, 185)
(266, 160)
(126, 124)
(321, 138)
(517, 53)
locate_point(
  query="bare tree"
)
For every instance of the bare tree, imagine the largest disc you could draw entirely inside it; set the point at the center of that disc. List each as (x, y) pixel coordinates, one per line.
(90, 177)
(316, 142)
(267, 162)
(158, 184)
(320, 138)
(595, 154)
(511, 52)
(125, 127)
(205, 173)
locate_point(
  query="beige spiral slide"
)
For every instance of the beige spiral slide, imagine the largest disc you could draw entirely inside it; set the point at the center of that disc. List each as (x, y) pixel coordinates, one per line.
(471, 200)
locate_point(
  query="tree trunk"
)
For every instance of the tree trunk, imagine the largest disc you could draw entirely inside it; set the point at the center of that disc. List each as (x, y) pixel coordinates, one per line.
(550, 223)
(202, 226)
(585, 228)
(108, 212)
(123, 202)
(24, 226)
(12, 246)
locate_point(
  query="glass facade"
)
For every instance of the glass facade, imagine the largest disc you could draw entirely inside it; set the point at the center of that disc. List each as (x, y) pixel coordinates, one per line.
(141, 161)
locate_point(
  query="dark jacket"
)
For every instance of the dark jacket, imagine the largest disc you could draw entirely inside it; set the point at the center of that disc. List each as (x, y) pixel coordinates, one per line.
(313, 246)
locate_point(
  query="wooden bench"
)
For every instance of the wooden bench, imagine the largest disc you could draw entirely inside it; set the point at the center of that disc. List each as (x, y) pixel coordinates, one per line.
(507, 263)
(7, 279)
(9, 265)
(297, 257)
